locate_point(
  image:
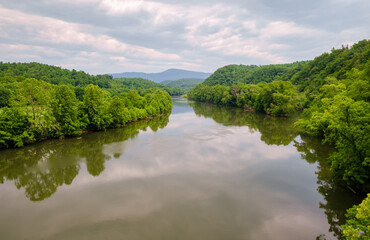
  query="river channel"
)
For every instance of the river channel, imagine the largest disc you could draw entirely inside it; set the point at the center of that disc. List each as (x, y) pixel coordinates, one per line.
(200, 172)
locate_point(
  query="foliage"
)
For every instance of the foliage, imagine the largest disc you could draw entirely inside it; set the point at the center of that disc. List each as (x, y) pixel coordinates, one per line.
(184, 84)
(95, 107)
(121, 85)
(358, 223)
(33, 98)
(233, 74)
(39, 110)
(336, 64)
(343, 118)
(51, 74)
(278, 98)
(14, 128)
(18, 72)
(65, 109)
(4, 96)
(118, 112)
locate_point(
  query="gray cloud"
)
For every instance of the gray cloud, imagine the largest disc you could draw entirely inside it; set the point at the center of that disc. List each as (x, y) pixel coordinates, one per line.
(102, 36)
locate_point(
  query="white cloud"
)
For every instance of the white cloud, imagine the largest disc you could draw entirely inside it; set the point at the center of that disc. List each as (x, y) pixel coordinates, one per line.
(279, 28)
(49, 31)
(154, 35)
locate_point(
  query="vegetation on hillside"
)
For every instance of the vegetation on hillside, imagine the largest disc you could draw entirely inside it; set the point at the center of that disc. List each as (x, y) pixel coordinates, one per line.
(277, 98)
(252, 74)
(184, 84)
(55, 75)
(119, 85)
(34, 109)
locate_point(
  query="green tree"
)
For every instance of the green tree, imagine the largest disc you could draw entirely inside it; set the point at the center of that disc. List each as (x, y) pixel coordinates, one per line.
(118, 112)
(14, 128)
(33, 97)
(358, 223)
(95, 108)
(348, 128)
(33, 94)
(65, 109)
(4, 96)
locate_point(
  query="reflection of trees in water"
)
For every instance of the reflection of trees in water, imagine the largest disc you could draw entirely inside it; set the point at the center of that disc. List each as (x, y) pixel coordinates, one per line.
(274, 130)
(41, 168)
(280, 131)
(337, 197)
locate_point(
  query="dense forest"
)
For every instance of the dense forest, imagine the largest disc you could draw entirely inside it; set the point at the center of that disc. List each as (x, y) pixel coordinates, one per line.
(184, 84)
(333, 91)
(119, 85)
(33, 109)
(253, 74)
(10, 72)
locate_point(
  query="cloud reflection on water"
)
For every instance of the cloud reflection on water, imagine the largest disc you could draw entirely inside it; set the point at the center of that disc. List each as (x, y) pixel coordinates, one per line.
(194, 179)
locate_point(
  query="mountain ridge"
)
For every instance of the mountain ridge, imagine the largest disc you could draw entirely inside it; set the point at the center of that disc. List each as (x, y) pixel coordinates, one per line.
(167, 75)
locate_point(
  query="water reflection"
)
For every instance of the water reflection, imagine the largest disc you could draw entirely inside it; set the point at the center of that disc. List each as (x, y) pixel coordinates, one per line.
(337, 197)
(280, 131)
(274, 131)
(220, 174)
(41, 168)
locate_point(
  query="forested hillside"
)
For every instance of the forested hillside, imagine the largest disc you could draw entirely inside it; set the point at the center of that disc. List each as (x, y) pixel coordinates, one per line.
(56, 75)
(333, 90)
(252, 74)
(184, 84)
(32, 109)
(119, 85)
(52, 74)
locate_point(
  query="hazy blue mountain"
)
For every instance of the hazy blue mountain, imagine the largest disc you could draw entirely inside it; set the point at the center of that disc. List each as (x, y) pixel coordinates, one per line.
(170, 74)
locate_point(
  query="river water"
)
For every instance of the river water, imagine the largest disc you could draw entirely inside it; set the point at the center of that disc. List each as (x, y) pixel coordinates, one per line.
(200, 172)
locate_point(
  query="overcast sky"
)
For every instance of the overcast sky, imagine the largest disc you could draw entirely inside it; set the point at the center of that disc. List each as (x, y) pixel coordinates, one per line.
(109, 36)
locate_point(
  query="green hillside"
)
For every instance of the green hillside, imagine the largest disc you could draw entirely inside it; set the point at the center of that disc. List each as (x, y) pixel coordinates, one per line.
(119, 85)
(52, 74)
(232, 74)
(57, 75)
(184, 84)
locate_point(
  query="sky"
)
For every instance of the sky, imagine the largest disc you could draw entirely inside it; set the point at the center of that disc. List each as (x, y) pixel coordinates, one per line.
(113, 36)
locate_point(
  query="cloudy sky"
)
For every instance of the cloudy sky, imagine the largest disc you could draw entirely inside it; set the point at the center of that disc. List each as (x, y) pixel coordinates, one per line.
(108, 36)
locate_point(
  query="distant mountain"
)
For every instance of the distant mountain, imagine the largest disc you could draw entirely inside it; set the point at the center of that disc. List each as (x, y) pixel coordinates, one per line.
(170, 74)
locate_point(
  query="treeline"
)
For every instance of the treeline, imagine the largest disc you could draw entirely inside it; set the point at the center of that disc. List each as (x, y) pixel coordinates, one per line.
(333, 90)
(51, 74)
(10, 72)
(184, 84)
(119, 85)
(253, 74)
(36, 110)
(277, 98)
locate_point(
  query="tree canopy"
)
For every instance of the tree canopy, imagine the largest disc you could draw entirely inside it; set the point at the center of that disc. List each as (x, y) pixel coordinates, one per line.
(66, 105)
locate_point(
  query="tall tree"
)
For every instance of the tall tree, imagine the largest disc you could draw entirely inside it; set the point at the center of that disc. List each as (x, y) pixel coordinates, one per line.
(95, 107)
(65, 109)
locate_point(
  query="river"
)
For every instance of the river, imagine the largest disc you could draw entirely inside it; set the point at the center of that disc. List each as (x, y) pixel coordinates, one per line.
(199, 172)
